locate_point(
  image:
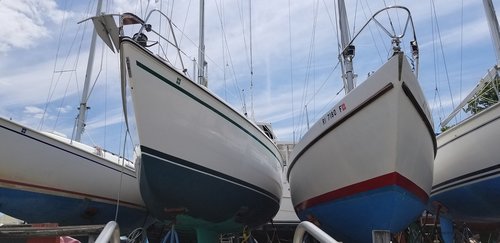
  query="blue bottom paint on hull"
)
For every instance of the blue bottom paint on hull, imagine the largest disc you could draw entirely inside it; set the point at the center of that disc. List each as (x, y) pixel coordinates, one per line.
(34, 207)
(352, 219)
(200, 199)
(477, 202)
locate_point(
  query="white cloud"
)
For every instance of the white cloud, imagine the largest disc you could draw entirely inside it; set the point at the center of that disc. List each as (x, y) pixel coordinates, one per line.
(24, 22)
(114, 116)
(278, 55)
(476, 32)
(32, 110)
(27, 85)
(65, 109)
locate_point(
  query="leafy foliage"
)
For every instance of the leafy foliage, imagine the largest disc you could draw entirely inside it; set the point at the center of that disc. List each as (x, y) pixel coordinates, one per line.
(444, 128)
(484, 99)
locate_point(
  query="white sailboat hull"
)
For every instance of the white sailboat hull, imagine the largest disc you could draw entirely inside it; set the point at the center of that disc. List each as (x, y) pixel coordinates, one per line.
(367, 164)
(467, 169)
(202, 162)
(45, 179)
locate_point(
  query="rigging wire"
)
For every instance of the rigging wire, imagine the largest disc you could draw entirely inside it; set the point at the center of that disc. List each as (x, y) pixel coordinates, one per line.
(339, 45)
(315, 91)
(146, 11)
(291, 67)
(393, 21)
(435, 63)
(222, 26)
(63, 27)
(323, 84)
(182, 34)
(461, 50)
(399, 22)
(332, 21)
(333, 70)
(60, 106)
(380, 35)
(172, 17)
(160, 28)
(107, 10)
(183, 25)
(105, 102)
(240, 11)
(223, 48)
(437, 98)
(235, 79)
(79, 51)
(55, 81)
(103, 48)
(88, 13)
(52, 86)
(355, 17)
(373, 35)
(59, 40)
(251, 63)
(309, 59)
(121, 171)
(140, 6)
(433, 12)
(73, 71)
(437, 95)
(98, 74)
(249, 56)
(389, 18)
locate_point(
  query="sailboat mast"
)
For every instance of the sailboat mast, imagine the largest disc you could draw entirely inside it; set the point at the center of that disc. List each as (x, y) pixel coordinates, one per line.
(201, 49)
(80, 124)
(493, 24)
(348, 51)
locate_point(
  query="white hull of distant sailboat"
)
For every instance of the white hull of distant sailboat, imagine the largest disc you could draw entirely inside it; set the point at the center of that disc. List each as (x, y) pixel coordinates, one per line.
(467, 169)
(45, 178)
(367, 164)
(201, 161)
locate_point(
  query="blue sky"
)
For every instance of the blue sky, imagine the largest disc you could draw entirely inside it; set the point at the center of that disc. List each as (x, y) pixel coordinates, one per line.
(294, 50)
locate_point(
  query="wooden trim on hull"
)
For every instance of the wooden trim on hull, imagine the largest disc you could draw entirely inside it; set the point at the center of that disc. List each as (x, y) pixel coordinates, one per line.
(422, 115)
(370, 100)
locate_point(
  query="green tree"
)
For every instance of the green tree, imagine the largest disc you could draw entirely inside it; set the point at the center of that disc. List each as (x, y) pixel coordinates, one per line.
(444, 128)
(485, 98)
